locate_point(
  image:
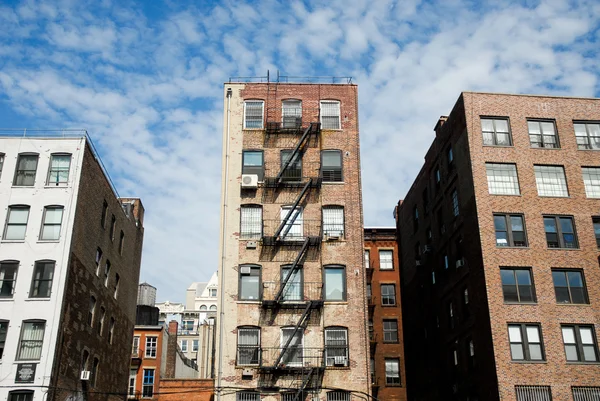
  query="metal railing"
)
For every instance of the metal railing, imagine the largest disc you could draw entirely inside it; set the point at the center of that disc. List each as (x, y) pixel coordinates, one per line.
(298, 231)
(586, 393)
(293, 357)
(281, 119)
(293, 291)
(533, 393)
(294, 173)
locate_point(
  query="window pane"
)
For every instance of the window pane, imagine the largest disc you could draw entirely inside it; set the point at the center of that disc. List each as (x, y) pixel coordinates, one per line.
(533, 334)
(332, 158)
(386, 259)
(586, 335)
(18, 215)
(571, 352)
(502, 179)
(551, 181)
(516, 351)
(334, 284)
(568, 335)
(589, 353)
(252, 158)
(514, 334)
(535, 352)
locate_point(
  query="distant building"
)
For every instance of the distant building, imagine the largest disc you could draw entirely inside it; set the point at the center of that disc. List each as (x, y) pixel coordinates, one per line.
(388, 380)
(69, 267)
(500, 239)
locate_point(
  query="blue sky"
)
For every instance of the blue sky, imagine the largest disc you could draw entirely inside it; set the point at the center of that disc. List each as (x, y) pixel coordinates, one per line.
(145, 79)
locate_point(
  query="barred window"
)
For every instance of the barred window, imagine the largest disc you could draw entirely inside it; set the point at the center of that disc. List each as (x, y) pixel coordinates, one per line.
(338, 396)
(253, 114)
(20, 395)
(333, 221)
(336, 346)
(250, 222)
(542, 134)
(495, 132)
(330, 114)
(551, 181)
(247, 396)
(586, 393)
(533, 393)
(291, 113)
(502, 179)
(591, 180)
(587, 135)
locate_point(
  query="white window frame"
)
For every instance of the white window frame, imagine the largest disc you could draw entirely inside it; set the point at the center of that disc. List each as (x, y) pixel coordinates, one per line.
(335, 107)
(262, 120)
(184, 345)
(502, 179)
(254, 347)
(151, 346)
(392, 372)
(298, 339)
(61, 180)
(9, 224)
(57, 223)
(330, 360)
(291, 113)
(385, 263)
(551, 181)
(132, 383)
(591, 181)
(150, 384)
(333, 220)
(251, 221)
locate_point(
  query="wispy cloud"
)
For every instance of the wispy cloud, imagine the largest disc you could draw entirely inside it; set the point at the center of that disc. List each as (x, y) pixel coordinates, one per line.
(146, 80)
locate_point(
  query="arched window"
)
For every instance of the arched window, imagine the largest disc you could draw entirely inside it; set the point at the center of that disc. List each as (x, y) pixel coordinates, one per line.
(248, 345)
(213, 307)
(203, 307)
(336, 346)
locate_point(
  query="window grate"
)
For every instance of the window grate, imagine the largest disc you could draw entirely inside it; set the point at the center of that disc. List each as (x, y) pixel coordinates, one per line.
(247, 396)
(250, 222)
(533, 393)
(253, 114)
(333, 221)
(338, 396)
(586, 393)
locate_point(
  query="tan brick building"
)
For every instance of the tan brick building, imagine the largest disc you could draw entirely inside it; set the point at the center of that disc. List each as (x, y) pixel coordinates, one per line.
(388, 380)
(292, 310)
(499, 239)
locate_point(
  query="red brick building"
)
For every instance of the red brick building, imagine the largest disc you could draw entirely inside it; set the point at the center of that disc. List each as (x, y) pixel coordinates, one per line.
(385, 314)
(499, 238)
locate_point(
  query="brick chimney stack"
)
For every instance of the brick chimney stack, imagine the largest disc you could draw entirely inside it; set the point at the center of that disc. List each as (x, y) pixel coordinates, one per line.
(171, 349)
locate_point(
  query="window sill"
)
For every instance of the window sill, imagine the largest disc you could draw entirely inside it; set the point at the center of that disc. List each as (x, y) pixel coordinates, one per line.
(333, 182)
(505, 194)
(6, 299)
(498, 146)
(520, 303)
(543, 148)
(393, 385)
(571, 304)
(554, 196)
(30, 299)
(337, 367)
(589, 150)
(563, 249)
(512, 247)
(386, 270)
(389, 306)
(336, 302)
(528, 362)
(332, 129)
(582, 363)
(24, 186)
(253, 129)
(247, 301)
(48, 241)
(247, 366)
(12, 241)
(57, 186)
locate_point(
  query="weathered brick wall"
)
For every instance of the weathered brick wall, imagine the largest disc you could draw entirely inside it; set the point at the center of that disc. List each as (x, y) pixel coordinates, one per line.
(188, 389)
(82, 282)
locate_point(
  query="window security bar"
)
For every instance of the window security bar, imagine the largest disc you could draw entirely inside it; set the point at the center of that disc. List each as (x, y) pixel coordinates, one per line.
(533, 393)
(586, 393)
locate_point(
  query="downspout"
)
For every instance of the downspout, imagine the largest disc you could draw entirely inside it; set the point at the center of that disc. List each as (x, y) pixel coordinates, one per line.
(223, 250)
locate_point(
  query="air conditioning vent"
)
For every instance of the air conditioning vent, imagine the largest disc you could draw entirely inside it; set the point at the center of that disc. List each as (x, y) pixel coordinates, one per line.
(85, 375)
(339, 360)
(249, 181)
(460, 263)
(332, 235)
(245, 270)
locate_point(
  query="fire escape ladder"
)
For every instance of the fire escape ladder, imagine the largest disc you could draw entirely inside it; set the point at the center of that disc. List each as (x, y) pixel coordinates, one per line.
(299, 325)
(286, 223)
(305, 381)
(295, 266)
(297, 152)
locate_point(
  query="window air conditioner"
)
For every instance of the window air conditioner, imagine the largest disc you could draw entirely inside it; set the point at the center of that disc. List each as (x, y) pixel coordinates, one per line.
(249, 181)
(85, 375)
(460, 263)
(245, 270)
(332, 235)
(339, 360)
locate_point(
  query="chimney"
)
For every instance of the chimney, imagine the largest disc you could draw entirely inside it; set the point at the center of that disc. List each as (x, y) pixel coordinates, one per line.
(438, 126)
(171, 350)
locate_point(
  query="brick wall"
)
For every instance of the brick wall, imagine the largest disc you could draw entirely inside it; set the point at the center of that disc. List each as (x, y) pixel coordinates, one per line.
(189, 389)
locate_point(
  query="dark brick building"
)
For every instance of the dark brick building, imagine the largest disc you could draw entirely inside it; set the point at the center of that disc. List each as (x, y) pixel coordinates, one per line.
(499, 238)
(388, 380)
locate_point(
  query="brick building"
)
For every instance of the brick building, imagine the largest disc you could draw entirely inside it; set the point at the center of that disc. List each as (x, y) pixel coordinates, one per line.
(69, 266)
(385, 314)
(292, 312)
(499, 237)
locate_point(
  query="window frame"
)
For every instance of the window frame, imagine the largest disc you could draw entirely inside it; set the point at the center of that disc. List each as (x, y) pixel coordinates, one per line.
(295, 119)
(121, 242)
(259, 171)
(509, 230)
(295, 170)
(579, 346)
(45, 224)
(344, 282)
(16, 176)
(330, 173)
(587, 136)
(2, 159)
(249, 233)
(542, 187)
(50, 170)
(111, 330)
(455, 203)
(388, 382)
(11, 263)
(499, 187)
(113, 226)
(104, 214)
(9, 224)
(333, 232)
(586, 299)
(92, 310)
(559, 232)
(541, 134)
(262, 119)
(338, 347)
(253, 267)
(494, 133)
(338, 106)
(3, 334)
(386, 297)
(596, 228)
(385, 251)
(19, 357)
(14, 395)
(145, 384)
(526, 342)
(514, 270)
(150, 346)
(35, 282)
(591, 191)
(393, 331)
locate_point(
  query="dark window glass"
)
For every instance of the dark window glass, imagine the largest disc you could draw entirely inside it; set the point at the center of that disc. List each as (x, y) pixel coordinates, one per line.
(249, 282)
(104, 214)
(560, 232)
(596, 221)
(25, 172)
(517, 285)
(331, 166)
(510, 230)
(8, 278)
(569, 286)
(43, 274)
(252, 163)
(293, 172)
(388, 294)
(390, 331)
(20, 395)
(3, 330)
(248, 352)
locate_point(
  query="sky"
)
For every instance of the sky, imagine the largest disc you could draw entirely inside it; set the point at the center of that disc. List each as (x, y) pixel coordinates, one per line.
(145, 79)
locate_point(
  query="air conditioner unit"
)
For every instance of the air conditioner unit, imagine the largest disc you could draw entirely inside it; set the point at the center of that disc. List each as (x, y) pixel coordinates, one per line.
(418, 263)
(339, 360)
(249, 181)
(85, 375)
(332, 235)
(245, 270)
(460, 263)
(427, 248)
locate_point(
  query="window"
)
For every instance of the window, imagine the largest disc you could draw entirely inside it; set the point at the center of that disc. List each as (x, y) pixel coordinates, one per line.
(135, 349)
(212, 292)
(104, 214)
(151, 343)
(551, 181)
(113, 224)
(386, 259)
(455, 206)
(470, 353)
(580, 343)
(450, 155)
(91, 310)
(111, 330)
(525, 342)
(26, 168)
(533, 393)
(335, 283)
(253, 114)
(293, 172)
(586, 393)
(250, 222)
(20, 395)
(465, 304)
(591, 180)
(390, 331)
(32, 339)
(101, 320)
(117, 282)
(338, 395)
(249, 282)
(495, 132)
(16, 223)
(371, 330)
(560, 232)
(106, 272)
(8, 278)
(333, 221)
(388, 294)
(188, 325)
(369, 293)
(194, 345)
(451, 322)
(569, 286)
(446, 262)
(293, 290)
(293, 355)
(336, 346)
(415, 218)
(3, 331)
(542, 134)
(392, 371)
(43, 274)
(510, 230)
(587, 135)
(148, 383)
(438, 177)
(330, 114)
(212, 308)
(331, 166)
(98, 260)
(51, 223)
(203, 307)
(247, 396)
(517, 285)
(94, 375)
(59, 169)
(121, 242)
(291, 113)
(502, 179)
(1, 162)
(368, 254)
(252, 163)
(596, 223)
(131, 387)
(184, 345)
